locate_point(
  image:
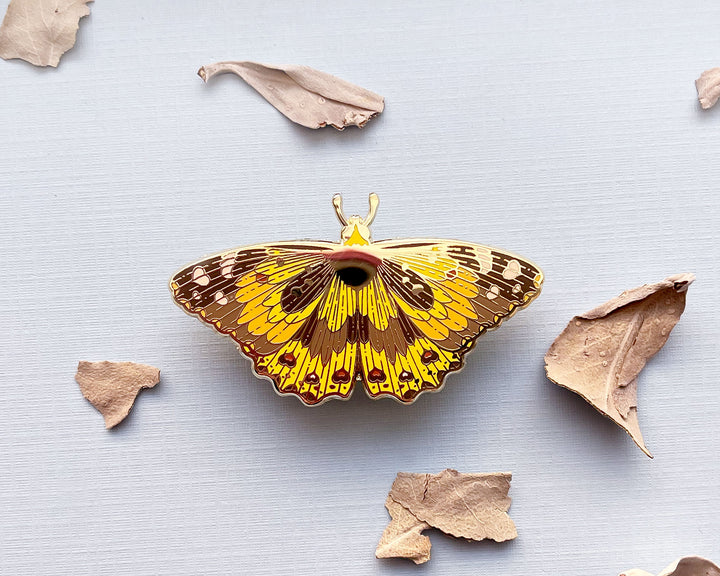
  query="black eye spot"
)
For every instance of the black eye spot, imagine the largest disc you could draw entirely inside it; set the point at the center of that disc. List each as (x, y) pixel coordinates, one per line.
(353, 276)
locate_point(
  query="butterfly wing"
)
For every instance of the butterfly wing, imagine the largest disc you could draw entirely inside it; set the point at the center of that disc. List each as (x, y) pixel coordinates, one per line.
(313, 332)
(444, 295)
(268, 298)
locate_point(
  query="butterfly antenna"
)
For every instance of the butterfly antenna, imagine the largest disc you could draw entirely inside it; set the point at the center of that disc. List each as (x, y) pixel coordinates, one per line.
(374, 201)
(337, 203)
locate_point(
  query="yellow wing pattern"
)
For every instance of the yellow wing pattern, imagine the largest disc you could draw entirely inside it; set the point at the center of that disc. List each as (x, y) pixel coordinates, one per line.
(262, 296)
(445, 294)
(315, 330)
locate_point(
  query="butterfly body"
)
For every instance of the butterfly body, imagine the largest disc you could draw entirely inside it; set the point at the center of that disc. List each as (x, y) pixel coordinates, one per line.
(318, 317)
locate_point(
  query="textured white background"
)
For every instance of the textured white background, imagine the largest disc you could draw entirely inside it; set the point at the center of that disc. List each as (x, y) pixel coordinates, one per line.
(567, 132)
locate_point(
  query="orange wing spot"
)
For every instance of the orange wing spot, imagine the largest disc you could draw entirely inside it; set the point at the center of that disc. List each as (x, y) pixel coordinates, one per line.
(295, 371)
(341, 376)
(287, 359)
(429, 356)
(376, 375)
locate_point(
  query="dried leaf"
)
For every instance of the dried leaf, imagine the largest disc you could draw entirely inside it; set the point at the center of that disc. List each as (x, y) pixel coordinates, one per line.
(708, 87)
(307, 96)
(472, 506)
(402, 537)
(40, 31)
(113, 386)
(600, 354)
(688, 566)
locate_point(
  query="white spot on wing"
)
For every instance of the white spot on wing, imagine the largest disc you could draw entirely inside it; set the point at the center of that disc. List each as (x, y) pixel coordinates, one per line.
(200, 277)
(220, 298)
(493, 293)
(512, 270)
(226, 265)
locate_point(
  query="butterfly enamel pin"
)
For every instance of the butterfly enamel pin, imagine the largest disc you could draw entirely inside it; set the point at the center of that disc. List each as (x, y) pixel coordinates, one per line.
(318, 317)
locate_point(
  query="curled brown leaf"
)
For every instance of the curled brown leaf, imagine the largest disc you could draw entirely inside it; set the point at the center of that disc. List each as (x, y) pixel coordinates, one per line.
(708, 88)
(113, 386)
(464, 505)
(41, 31)
(600, 353)
(306, 96)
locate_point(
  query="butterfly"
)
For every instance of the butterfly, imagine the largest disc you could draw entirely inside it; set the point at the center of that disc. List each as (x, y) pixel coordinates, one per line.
(318, 317)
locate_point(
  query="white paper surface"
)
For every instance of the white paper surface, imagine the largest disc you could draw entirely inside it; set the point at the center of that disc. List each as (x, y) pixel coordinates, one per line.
(568, 133)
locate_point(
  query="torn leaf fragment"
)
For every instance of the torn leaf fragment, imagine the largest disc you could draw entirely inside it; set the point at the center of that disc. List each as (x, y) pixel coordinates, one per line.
(306, 96)
(41, 31)
(708, 88)
(113, 386)
(464, 505)
(688, 566)
(600, 353)
(403, 536)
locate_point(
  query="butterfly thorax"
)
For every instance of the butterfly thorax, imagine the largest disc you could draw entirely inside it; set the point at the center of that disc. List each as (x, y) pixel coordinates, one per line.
(356, 232)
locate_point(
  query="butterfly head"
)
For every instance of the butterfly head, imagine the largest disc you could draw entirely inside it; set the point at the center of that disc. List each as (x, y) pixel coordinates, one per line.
(356, 230)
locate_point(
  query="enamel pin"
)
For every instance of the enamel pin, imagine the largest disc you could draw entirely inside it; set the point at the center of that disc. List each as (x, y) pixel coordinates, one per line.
(318, 317)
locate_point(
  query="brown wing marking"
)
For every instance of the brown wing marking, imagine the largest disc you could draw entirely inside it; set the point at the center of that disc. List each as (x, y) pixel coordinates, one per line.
(446, 294)
(294, 370)
(421, 368)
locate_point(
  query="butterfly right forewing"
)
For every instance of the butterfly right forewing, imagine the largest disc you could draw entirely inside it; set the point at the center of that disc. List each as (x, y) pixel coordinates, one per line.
(445, 294)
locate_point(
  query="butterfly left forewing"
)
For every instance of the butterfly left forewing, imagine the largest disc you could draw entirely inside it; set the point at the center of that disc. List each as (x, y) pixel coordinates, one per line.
(266, 298)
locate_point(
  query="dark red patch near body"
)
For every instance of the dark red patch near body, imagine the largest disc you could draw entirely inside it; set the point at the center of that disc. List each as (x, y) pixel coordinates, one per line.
(353, 254)
(376, 375)
(341, 376)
